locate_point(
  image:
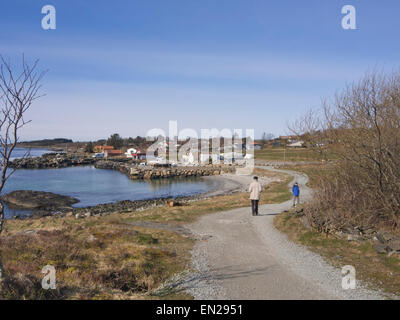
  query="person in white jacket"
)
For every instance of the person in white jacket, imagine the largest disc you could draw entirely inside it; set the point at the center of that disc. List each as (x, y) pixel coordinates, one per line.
(255, 189)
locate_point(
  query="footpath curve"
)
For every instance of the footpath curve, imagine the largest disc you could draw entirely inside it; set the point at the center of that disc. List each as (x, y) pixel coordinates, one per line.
(239, 256)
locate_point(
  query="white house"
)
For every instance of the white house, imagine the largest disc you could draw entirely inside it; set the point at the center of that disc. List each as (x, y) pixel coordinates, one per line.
(297, 144)
(132, 153)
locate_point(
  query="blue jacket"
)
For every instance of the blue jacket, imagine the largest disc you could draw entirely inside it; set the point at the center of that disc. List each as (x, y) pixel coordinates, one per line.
(296, 191)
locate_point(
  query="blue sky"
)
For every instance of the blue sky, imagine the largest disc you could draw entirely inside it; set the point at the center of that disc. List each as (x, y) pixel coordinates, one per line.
(130, 66)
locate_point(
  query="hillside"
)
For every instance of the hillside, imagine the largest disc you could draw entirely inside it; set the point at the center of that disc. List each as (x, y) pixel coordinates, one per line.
(45, 142)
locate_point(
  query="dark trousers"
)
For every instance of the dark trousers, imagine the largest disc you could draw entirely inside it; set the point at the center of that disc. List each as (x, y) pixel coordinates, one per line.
(254, 207)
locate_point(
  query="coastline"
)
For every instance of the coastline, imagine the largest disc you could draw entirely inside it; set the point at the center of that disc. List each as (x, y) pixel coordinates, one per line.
(225, 184)
(233, 183)
(225, 180)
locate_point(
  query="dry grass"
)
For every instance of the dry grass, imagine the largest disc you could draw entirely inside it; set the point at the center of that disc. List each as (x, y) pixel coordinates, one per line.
(361, 126)
(314, 171)
(276, 192)
(95, 258)
(288, 154)
(105, 257)
(376, 270)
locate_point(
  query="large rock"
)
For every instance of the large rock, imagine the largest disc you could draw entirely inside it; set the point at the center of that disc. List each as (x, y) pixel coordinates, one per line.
(380, 247)
(384, 236)
(394, 245)
(34, 200)
(387, 240)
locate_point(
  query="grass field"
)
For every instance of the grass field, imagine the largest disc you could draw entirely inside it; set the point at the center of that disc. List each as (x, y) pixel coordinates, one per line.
(314, 171)
(286, 154)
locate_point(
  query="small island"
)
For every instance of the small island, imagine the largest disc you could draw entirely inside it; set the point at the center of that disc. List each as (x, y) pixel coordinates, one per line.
(37, 200)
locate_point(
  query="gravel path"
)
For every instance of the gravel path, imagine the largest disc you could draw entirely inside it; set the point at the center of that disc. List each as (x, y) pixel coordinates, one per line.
(240, 256)
(229, 183)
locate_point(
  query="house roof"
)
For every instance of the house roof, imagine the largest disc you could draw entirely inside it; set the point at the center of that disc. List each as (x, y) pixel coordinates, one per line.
(114, 151)
(105, 147)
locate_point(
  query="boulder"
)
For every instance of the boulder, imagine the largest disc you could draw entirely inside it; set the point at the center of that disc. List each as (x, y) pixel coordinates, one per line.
(394, 245)
(171, 203)
(394, 253)
(354, 237)
(134, 171)
(306, 223)
(384, 236)
(380, 247)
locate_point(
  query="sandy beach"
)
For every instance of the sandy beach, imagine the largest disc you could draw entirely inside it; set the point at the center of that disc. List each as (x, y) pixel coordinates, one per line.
(232, 183)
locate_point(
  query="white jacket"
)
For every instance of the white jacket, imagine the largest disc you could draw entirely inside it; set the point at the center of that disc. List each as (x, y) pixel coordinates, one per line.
(255, 190)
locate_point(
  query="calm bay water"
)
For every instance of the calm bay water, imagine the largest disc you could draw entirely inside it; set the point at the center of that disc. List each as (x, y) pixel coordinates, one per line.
(34, 152)
(95, 186)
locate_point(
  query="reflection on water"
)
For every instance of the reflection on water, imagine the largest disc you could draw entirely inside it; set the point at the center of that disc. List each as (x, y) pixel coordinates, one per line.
(156, 184)
(94, 186)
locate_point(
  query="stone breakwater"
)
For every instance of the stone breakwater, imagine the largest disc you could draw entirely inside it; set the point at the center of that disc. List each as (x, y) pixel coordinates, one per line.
(136, 172)
(52, 160)
(125, 166)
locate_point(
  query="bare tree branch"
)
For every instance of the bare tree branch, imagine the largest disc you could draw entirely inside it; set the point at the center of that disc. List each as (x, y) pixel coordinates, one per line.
(360, 127)
(19, 87)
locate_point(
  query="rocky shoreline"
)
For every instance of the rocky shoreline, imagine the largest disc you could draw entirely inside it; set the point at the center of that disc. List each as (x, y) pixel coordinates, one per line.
(223, 185)
(126, 166)
(383, 241)
(104, 209)
(52, 160)
(136, 172)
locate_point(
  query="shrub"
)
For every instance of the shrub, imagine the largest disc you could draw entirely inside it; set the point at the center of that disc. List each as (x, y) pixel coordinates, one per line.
(361, 127)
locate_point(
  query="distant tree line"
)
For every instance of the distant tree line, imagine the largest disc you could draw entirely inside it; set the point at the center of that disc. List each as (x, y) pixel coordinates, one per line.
(118, 142)
(46, 142)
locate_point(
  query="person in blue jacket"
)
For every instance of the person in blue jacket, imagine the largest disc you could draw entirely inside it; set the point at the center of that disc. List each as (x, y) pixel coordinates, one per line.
(296, 194)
